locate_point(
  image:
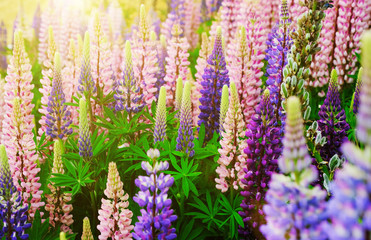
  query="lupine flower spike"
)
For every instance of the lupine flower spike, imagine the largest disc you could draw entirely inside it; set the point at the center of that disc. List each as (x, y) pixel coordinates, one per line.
(156, 214)
(185, 132)
(17, 127)
(159, 132)
(224, 105)
(263, 149)
(58, 118)
(216, 74)
(350, 207)
(57, 202)
(357, 91)
(12, 210)
(85, 147)
(114, 217)
(332, 123)
(232, 157)
(293, 210)
(86, 230)
(128, 95)
(178, 94)
(229, 23)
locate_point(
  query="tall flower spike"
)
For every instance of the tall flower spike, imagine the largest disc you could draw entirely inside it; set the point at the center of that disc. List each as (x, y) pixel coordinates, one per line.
(144, 59)
(12, 211)
(357, 91)
(85, 147)
(156, 214)
(176, 16)
(192, 23)
(57, 201)
(293, 210)
(161, 59)
(114, 217)
(224, 104)
(185, 132)
(3, 41)
(58, 119)
(178, 94)
(214, 78)
(263, 149)
(350, 206)
(128, 95)
(18, 124)
(232, 157)
(332, 123)
(177, 62)
(159, 132)
(229, 23)
(87, 85)
(2, 104)
(86, 230)
(47, 79)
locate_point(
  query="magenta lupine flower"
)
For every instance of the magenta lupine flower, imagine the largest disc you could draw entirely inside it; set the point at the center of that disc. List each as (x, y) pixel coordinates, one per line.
(156, 213)
(295, 10)
(57, 201)
(340, 41)
(204, 53)
(245, 62)
(232, 159)
(144, 59)
(229, 18)
(293, 210)
(17, 127)
(46, 80)
(114, 215)
(177, 62)
(262, 151)
(58, 118)
(350, 206)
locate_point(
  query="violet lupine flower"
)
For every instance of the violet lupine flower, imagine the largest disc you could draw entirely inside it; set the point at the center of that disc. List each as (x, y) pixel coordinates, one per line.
(114, 215)
(3, 46)
(229, 23)
(176, 16)
(161, 59)
(332, 123)
(350, 207)
(279, 43)
(58, 119)
(85, 147)
(185, 132)
(263, 149)
(156, 214)
(86, 230)
(127, 90)
(12, 210)
(86, 83)
(57, 201)
(215, 76)
(144, 59)
(177, 62)
(293, 210)
(159, 132)
(17, 128)
(232, 157)
(357, 91)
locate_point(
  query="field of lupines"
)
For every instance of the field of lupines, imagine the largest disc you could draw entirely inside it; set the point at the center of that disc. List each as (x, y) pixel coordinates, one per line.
(231, 119)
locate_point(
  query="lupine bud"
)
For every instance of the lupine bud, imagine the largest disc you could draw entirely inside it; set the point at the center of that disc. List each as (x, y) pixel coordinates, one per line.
(85, 147)
(86, 230)
(224, 104)
(185, 132)
(159, 132)
(87, 84)
(178, 93)
(357, 91)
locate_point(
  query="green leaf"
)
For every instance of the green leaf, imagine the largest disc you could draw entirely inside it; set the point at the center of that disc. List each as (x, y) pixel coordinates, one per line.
(185, 187)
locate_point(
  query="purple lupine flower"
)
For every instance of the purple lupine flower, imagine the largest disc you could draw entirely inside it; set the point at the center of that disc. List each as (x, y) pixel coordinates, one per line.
(279, 44)
(332, 123)
(263, 150)
(293, 210)
(215, 76)
(156, 214)
(357, 91)
(36, 23)
(87, 85)
(175, 16)
(58, 119)
(185, 132)
(161, 58)
(128, 90)
(12, 210)
(3, 39)
(159, 132)
(85, 147)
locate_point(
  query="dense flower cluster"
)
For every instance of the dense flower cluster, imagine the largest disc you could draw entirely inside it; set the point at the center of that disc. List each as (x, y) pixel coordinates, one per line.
(85, 147)
(156, 214)
(159, 132)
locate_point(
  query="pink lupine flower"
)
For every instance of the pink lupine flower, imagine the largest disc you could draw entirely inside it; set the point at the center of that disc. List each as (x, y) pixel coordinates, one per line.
(192, 23)
(232, 157)
(57, 201)
(295, 10)
(229, 18)
(2, 105)
(205, 52)
(70, 28)
(116, 20)
(46, 80)
(177, 62)
(144, 59)
(17, 127)
(114, 217)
